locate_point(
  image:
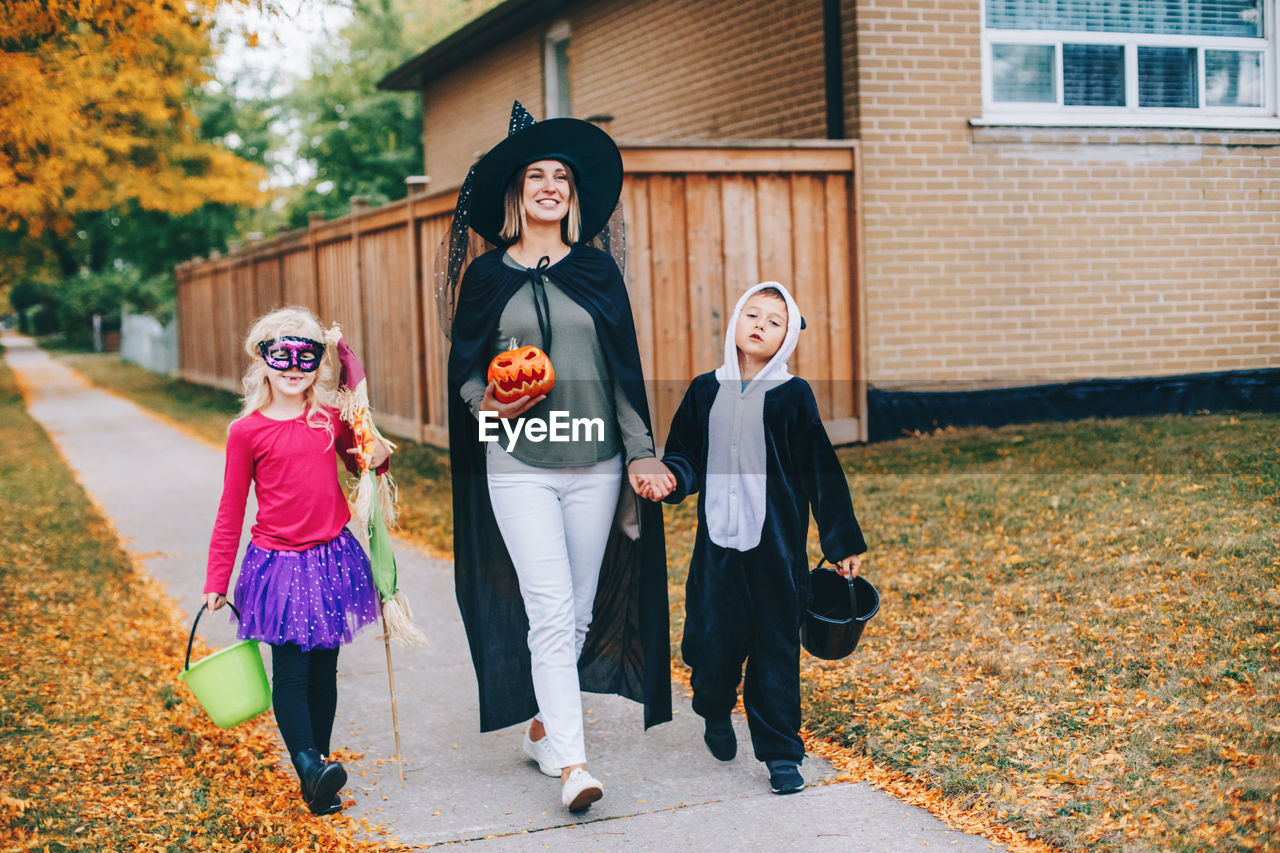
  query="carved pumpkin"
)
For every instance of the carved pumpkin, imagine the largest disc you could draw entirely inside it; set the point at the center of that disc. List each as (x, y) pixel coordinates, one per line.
(523, 372)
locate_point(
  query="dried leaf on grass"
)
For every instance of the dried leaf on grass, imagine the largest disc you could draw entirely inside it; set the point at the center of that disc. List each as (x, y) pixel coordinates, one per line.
(1070, 637)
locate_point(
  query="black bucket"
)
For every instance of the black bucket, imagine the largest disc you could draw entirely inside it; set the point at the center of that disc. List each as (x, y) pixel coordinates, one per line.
(838, 611)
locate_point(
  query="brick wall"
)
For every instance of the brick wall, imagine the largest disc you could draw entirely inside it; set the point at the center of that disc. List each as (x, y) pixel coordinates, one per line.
(702, 69)
(1024, 255)
(852, 65)
(465, 113)
(992, 255)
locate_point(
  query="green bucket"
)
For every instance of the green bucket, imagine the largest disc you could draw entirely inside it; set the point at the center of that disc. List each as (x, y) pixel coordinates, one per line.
(231, 683)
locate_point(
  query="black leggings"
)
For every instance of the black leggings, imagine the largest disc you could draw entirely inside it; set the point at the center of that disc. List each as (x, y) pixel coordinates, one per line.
(304, 688)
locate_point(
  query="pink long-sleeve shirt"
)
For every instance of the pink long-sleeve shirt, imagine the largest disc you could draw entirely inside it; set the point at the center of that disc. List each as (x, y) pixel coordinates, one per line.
(300, 504)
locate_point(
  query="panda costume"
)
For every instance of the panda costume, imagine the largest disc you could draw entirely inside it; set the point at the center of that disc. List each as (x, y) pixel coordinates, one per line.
(759, 457)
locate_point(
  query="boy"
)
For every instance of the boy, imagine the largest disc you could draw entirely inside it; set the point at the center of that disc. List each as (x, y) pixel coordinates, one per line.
(748, 437)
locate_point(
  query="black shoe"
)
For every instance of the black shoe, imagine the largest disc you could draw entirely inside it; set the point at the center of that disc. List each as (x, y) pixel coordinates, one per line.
(720, 739)
(784, 776)
(334, 807)
(321, 781)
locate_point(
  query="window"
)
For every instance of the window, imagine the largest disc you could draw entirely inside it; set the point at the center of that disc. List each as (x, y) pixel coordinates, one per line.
(555, 70)
(1146, 62)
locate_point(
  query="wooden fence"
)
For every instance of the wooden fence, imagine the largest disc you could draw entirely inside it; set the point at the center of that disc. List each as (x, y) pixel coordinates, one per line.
(702, 224)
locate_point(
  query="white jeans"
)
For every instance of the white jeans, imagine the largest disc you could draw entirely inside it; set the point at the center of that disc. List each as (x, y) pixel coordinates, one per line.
(555, 523)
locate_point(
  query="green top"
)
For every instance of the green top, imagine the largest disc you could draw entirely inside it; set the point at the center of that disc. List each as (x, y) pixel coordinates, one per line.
(584, 389)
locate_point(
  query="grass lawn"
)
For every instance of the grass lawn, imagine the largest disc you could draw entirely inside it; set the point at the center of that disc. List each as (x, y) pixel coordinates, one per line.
(1079, 634)
(1079, 630)
(100, 747)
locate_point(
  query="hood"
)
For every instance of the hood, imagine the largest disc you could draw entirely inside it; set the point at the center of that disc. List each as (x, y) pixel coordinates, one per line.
(776, 369)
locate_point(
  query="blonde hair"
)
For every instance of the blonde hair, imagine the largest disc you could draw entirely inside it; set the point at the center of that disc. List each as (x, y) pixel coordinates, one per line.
(297, 321)
(513, 218)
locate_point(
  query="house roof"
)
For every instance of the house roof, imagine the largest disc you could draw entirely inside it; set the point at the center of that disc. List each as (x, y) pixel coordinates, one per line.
(474, 39)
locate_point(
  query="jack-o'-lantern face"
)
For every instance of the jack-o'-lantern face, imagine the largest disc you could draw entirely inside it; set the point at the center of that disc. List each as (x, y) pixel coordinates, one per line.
(523, 372)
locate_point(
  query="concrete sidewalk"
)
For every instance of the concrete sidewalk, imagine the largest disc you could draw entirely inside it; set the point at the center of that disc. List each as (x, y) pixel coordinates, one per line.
(663, 791)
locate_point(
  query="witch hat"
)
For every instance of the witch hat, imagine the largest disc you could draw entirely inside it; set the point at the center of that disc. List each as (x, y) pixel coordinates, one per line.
(520, 118)
(588, 151)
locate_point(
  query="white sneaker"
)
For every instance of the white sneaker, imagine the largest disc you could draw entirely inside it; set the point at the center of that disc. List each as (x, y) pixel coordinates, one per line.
(540, 751)
(580, 790)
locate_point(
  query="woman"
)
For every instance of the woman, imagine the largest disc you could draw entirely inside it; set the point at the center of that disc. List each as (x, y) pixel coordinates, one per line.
(560, 570)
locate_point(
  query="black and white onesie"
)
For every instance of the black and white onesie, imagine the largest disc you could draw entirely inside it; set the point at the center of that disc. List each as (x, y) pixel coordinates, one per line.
(759, 456)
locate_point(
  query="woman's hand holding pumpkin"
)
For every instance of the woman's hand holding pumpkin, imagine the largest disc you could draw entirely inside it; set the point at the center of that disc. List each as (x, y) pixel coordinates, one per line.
(514, 409)
(650, 478)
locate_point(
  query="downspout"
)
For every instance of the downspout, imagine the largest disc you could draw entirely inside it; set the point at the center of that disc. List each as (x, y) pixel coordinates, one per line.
(833, 71)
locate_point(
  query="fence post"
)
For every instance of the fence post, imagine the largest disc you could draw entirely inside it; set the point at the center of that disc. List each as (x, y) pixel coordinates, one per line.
(315, 219)
(359, 205)
(417, 185)
(857, 258)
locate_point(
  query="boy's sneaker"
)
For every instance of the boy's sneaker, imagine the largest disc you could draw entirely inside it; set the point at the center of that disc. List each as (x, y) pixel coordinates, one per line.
(784, 776)
(720, 739)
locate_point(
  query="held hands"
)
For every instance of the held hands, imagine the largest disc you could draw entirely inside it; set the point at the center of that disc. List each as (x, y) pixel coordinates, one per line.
(849, 566)
(514, 409)
(650, 478)
(214, 600)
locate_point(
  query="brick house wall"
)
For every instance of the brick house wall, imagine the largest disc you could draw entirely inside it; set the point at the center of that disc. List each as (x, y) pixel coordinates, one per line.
(852, 65)
(705, 69)
(465, 113)
(1027, 255)
(992, 256)
(702, 69)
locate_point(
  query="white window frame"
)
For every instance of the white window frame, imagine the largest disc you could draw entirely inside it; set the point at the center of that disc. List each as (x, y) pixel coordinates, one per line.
(1266, 117)
(558, 104)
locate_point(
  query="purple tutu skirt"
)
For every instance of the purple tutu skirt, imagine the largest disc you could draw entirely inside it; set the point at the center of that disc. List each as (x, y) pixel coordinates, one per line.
(318, 598)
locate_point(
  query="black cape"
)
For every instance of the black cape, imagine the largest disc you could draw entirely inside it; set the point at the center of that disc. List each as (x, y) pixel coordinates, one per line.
(627, 648)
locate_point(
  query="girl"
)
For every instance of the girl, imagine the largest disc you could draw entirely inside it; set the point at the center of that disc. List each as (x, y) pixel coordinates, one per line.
(304, 586)
(556, 595)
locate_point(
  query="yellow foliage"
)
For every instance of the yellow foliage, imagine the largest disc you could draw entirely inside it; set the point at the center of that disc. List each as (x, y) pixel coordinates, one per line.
(93, 112)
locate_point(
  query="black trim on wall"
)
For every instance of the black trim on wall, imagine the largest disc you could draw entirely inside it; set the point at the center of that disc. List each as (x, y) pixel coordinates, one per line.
(833, 68)
(891, 414)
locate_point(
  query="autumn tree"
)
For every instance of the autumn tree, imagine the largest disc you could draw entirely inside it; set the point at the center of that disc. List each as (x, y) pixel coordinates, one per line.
(360, 140)
(95, 112)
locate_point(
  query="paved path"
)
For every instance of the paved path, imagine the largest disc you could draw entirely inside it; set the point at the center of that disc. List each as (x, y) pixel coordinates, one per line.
(663, 791)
